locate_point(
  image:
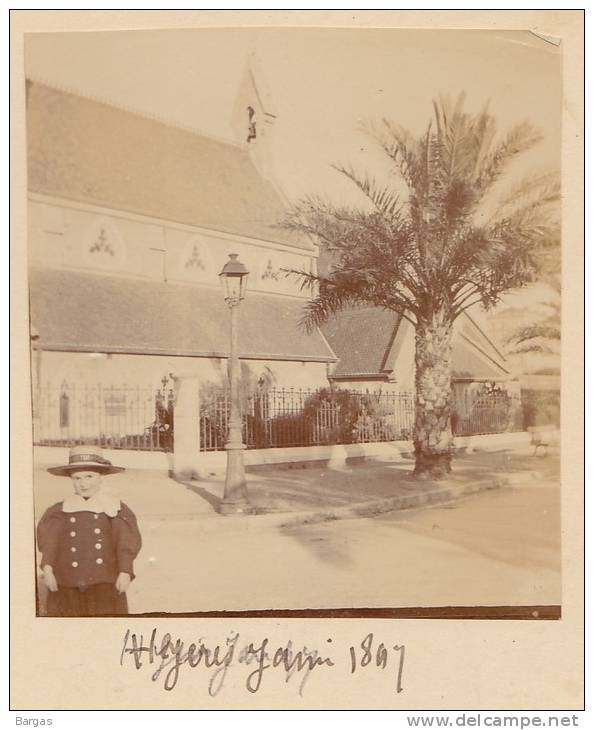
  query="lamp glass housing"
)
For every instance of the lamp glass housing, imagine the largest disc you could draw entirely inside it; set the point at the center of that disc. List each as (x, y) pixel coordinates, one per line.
(233, 279)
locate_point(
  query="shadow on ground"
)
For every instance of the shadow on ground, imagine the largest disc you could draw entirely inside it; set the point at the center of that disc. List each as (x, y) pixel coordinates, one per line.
(322, 542)
(323, 488)
(200, 491)
(488, 523)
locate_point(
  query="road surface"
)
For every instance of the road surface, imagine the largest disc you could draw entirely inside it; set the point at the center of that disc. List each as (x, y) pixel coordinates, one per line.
(500, 547)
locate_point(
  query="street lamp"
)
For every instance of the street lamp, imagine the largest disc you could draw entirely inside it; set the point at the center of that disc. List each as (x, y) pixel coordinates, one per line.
(233, 279)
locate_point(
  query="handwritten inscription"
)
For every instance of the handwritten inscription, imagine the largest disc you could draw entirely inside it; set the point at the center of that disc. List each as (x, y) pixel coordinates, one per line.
(167, 655)
(379, 656)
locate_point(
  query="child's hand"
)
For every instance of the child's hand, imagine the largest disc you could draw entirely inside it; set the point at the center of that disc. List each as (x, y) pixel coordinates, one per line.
(49, 578)
(122, 582)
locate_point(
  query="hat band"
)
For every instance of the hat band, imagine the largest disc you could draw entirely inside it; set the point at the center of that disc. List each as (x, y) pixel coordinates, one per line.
(81, 458)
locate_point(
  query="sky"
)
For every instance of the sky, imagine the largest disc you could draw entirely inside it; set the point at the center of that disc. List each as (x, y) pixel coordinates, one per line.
(321, 83)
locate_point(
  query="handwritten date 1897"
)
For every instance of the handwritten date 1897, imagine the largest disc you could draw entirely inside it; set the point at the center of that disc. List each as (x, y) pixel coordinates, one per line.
(168, 655)
(368, 654)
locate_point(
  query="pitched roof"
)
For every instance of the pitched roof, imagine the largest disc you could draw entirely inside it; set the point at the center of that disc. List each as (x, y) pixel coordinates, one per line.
(367, 341)
(471, 362)
(100, 313)
(360, 337)
(92, 152)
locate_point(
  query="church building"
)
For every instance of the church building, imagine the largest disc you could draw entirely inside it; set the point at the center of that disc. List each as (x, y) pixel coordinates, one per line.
(130, 222)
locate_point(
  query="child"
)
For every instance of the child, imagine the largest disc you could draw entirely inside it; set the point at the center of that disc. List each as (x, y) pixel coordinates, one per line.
(88, 542)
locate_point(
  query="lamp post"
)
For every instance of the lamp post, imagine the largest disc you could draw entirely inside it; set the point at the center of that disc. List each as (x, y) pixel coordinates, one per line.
(233, 279)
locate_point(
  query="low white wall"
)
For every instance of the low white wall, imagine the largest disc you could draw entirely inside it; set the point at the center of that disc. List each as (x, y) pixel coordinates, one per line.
(215, 460)
(158, 460)
(493, 441)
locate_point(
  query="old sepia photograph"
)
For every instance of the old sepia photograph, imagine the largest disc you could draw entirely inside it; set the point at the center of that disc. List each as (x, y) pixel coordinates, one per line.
(295, 321)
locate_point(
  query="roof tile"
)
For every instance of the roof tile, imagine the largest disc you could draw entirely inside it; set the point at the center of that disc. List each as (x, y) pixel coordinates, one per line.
(100, 313)
(362, 339)
(360, 336)
(92, 152)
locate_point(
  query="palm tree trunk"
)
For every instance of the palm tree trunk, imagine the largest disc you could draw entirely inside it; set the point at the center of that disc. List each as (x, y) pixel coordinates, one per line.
(432, 437)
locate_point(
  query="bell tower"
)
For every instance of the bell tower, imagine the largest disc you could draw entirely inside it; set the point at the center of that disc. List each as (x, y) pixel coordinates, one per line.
(253, 119)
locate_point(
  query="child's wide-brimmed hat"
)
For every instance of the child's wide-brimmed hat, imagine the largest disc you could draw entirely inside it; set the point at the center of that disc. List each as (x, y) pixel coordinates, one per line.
(87, 457)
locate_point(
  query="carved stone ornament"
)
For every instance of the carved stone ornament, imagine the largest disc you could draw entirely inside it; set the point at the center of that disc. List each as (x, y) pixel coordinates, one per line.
(195, 261)
(102, 245)
(270, 272)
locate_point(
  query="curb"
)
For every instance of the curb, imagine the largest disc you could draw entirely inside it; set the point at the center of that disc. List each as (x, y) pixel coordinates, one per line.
(288, 519)
(402, 502)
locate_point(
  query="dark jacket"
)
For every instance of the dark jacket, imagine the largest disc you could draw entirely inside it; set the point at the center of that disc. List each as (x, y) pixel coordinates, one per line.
(86, 548)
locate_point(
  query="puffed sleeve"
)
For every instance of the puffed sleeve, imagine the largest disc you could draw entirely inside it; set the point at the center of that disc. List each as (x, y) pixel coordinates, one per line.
(49, 533)
(127, 539)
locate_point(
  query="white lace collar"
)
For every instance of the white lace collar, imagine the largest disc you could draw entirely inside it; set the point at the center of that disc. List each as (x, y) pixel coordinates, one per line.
(98, 503)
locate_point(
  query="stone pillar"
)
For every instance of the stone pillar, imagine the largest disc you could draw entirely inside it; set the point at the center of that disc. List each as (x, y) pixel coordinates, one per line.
(186, 426)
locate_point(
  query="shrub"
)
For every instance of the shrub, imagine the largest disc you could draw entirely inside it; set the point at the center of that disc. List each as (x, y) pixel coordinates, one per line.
(337, 414)
(540, 407)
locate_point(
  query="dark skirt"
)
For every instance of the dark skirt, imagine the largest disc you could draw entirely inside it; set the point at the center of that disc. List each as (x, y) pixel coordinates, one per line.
(97, 600)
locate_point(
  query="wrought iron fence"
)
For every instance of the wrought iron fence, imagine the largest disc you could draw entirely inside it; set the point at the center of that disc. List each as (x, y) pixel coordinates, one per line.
(300, 417)
(141, 418)
(492, 410)
(126, 417)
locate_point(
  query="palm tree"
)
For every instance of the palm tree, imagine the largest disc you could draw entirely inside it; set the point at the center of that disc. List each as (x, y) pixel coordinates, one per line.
(441, 249)
(544, 334)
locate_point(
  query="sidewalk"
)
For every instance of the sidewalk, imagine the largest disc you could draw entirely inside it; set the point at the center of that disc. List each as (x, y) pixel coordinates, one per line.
(309, 493)
(302, 551)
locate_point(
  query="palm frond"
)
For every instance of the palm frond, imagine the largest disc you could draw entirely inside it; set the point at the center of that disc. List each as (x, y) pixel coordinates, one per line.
(384, 199)
(435, 248)
(306, 279)
(520, 139)
(544, 336)
(335, 294)
(401, 148)
(540, 347)
(453, 133)
(530, 205)
(484, 131)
